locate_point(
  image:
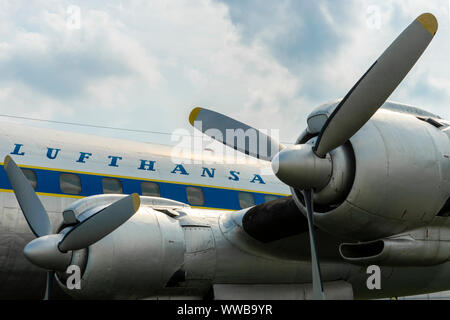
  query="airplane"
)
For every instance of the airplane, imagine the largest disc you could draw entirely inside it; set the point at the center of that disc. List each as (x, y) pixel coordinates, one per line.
(366, 184)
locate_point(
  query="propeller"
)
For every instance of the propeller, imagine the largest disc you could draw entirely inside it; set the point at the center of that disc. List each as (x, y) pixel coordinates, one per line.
(377, 84)
(309, 167)
(232, 133)
(51, 251)
(30, 204)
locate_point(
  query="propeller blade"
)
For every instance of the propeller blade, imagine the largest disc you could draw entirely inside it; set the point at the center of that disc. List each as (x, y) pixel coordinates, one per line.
(235, 134)
(100, 224)
(49, 285)
(32, 208)
(318, 293)
(377, 84)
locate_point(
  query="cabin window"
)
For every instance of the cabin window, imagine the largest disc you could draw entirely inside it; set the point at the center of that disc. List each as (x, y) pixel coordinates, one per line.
(111, 185)
(70, 183)
(246, 200)
(270, 197)
(150, 189)
(195, 196)
(31, 177)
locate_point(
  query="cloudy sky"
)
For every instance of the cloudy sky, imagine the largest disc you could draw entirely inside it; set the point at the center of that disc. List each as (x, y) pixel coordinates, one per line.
(146, 64)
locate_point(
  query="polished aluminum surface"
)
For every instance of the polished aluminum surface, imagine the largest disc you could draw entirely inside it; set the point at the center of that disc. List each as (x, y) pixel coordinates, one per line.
(44, 252)
(298, 166)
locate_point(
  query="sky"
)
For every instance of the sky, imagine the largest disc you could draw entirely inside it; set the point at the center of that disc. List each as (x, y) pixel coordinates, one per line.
(146, 64)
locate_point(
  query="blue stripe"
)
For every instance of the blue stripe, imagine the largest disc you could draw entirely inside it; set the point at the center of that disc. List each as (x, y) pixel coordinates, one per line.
(48, 182)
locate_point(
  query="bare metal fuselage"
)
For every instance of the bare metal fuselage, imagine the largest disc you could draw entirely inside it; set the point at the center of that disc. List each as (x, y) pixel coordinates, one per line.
(400, 184)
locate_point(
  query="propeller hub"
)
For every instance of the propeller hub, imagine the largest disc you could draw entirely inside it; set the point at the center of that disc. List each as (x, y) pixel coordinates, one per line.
(43, 252)
(299, 167)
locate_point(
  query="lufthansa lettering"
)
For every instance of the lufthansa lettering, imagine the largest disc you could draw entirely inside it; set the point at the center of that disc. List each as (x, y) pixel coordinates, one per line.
(142, 164)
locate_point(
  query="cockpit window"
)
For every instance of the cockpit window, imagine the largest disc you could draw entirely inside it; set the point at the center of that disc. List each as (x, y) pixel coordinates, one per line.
(31, 177)
(246, 200)
(111, 185)
(70, 183)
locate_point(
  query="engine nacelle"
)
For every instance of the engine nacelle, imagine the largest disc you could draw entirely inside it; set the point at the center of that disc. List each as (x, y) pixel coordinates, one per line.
(401, 179)
(134, 261)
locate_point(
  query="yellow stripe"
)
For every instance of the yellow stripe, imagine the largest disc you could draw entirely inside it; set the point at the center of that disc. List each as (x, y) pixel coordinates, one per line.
(49, 194)
(429, 22)
(208, 208)
(151, 180)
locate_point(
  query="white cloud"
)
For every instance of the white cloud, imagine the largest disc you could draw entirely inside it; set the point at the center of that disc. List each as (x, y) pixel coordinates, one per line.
(146, 64)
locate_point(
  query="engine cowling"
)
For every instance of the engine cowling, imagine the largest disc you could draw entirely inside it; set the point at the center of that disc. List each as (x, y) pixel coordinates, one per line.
(395, 171)
(135, 261)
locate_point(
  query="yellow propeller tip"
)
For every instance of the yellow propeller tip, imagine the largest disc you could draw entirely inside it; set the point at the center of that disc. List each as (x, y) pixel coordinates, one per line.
(5, 162)
(193, 115)
(136, 201)
(429, 22)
